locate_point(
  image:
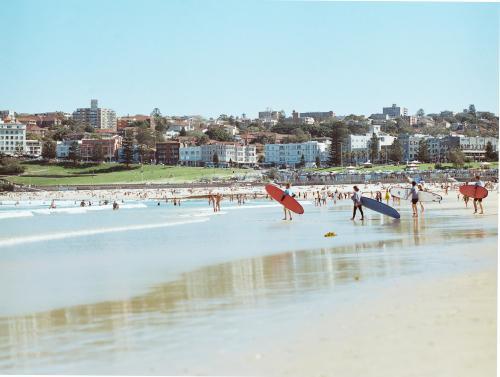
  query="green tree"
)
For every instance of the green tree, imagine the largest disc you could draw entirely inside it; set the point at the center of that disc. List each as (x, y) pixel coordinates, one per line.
(302, 161)
(339, 134)
(490, 154)
(128, 149)
(472, 109)
(420, 113)
(456, 156)
(145, 136)
(396, 151)
(374, 146)
(74, 152)
(98, 153)
(49, 150)
(215, 159)
(423, 154)
(219, 133)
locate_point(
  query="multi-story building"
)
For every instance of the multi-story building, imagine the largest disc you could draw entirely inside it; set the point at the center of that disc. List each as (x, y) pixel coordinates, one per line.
(229, 153)
(98, 118)
(12, 138)
(438, 147)
(411, 144)
(63, 147)
(473, 147)
(269, 115)
(291, 154)
(34, 148)
(318, 116)
(395, 111)
(167, 152)
(190, 155)
(359, 145)
(108, 148)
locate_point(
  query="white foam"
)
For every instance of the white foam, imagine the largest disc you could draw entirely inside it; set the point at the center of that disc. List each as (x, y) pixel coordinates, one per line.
(14, 214)
(91, 232)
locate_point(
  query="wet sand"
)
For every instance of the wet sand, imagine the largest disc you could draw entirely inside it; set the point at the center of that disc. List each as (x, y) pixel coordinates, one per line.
(178, 291)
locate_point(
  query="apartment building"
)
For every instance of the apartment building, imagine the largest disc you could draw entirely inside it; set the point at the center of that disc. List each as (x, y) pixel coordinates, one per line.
(95, 116)
(167, 152)
(33, 148)
(12, 138)
(395, 111)
(190, 155)
(108, 148)
(229, 153)
(291, 154)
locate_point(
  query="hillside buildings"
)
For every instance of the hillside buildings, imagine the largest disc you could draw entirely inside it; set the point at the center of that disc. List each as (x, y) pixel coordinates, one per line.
(95, 116)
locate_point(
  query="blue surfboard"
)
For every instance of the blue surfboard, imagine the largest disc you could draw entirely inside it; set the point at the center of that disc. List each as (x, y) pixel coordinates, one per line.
(379, 207)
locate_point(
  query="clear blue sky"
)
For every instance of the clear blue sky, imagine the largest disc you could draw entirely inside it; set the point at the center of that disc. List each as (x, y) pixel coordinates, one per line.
(208, 58)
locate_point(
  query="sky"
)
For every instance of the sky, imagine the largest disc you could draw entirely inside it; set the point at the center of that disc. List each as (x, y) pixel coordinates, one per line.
(232, 57)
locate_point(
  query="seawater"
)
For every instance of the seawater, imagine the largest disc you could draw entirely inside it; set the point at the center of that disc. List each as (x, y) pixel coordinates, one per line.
(165, 289)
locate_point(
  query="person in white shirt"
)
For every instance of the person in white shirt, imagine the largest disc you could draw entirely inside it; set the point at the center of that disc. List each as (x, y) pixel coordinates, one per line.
(356, 198)
(478, 201)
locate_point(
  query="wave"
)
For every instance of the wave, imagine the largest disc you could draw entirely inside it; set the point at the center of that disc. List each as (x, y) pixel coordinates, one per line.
(91, 232)
(14, 214)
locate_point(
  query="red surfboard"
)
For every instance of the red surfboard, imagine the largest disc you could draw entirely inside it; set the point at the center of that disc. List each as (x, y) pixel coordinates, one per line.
(290, 203)
(472, 191)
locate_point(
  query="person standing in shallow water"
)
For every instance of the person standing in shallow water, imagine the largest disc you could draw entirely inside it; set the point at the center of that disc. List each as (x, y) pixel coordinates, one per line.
(478, 201)
(414, 198)
(288, 192)
(356, 198)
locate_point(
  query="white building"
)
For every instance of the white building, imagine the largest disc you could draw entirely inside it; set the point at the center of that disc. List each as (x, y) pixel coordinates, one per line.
(34, 148)
(96, 117)
(12, 138)
(229, 152)
(359, 145)
(62, 147)
(190, 155)
(291, 154)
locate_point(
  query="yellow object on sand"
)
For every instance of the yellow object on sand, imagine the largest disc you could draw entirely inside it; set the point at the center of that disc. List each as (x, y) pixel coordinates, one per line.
(330, 234)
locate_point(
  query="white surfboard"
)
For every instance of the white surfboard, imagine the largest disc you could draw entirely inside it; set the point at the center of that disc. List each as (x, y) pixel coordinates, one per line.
(423, 196)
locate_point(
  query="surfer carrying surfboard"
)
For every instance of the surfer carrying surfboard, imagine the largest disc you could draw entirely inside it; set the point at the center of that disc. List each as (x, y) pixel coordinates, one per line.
(356, 198)
(414, 198)
(478, 200)
(288, 191)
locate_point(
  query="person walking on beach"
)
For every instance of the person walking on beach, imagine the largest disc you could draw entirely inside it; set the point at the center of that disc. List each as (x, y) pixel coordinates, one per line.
(356, 198)
(414, 198)
(480, 201)
(288, 192)
(387, 196)
(420, 188)
(218, 198)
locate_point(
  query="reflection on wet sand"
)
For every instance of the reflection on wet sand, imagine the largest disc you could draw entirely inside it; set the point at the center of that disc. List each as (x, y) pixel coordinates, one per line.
(239, 284)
